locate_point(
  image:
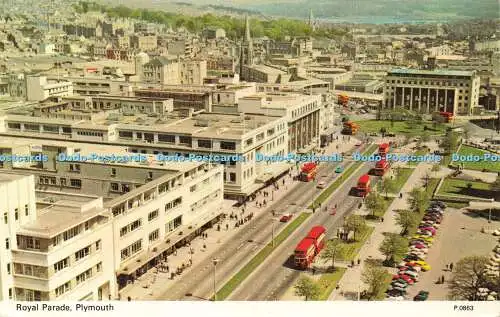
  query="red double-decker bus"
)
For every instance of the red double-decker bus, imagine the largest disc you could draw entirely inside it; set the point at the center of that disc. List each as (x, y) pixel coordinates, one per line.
(308, 172)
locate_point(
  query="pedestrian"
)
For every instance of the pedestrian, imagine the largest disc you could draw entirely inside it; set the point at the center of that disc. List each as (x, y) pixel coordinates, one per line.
(190, 262)
(451, 267)
(447, 267)
(400, 195)
(129, 298)
(283, 182)
(260, 205)
(382, 219)
(352, 263)
(359, 261)
(167, 268)
(442, 279)
(227, 226)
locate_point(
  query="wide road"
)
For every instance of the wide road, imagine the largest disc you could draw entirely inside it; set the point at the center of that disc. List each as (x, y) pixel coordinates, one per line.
(277, 274)
(235, 253)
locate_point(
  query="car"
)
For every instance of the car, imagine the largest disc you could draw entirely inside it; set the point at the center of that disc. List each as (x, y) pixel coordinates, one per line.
(395, 293)
(333, 211)
(431, 229)
(339, 169)
(390, 134)
(407, 279)
(424, 265)
(397, 298)
(421, 296)
(425, 238)
(422, 241)
(426, 232)
(286, 217)
(400, 283)
(496, 232)
(373, 134)
(432, 220)
(411, 257)
(438, 203)
(359, 144)
(412, 274)
(321, 185)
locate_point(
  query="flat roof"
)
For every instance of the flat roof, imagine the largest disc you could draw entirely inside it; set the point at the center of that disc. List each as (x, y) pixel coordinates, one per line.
(7, 178)
(54, 220)
(444, 72)
(267, 69)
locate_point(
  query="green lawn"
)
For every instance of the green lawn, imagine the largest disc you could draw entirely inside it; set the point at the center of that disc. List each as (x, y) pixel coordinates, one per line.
(239, 277)
(329, 281)
(487, 165)
(352, 248)
(402, 178)
(459, 188)
(420, 152)
(343, 176)
(402, 127)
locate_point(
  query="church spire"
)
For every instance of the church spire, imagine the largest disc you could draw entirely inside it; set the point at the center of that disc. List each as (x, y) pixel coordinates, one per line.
(311, 20)
(247, 40)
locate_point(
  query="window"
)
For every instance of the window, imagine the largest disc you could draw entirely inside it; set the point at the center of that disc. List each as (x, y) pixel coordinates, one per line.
(63, 289)
(5, 218)
(82, 253)
(205, 144)
(130, 227)
(77, 183)
(153, 236)
(7, 243)
(68, 234)
(185, 140)
(113, 172)
(26, 210)
(16, 214)
(166, 138)
(63, 181)
(115, 187)
(131, 250)
(232, 177)
(98, 245)
(99, 267)
(8, 268)
(61, 265)
(224, 145)
(153, 215)
(80, 278)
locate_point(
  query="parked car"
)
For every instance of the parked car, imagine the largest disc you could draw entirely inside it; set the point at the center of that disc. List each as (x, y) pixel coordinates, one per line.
(412, 274)
(339, 169)
(321, 185)
(424, 265)
(431, 229)
(286, 217)
(395, 293)
(438, 203)
(496, 232)
(421, 296)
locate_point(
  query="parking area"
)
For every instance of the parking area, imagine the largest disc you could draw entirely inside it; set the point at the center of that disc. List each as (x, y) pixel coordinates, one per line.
(458, 236)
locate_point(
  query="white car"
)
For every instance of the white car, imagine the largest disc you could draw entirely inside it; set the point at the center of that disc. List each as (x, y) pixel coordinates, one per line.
(496, 232)
(396, 298)
(321, 185)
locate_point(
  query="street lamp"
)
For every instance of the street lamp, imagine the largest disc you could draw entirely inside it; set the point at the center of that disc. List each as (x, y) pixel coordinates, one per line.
(214, 262)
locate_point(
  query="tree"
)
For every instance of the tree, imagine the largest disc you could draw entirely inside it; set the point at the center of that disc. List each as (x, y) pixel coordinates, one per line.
(406, 219)
(426, 137)
(468, 278)
(466, 133)
(388, 185)
(307, 288)
(394, 248)
(355, 223)
(334, 248)
(375, 277)
(496, 185)
(450, 142)
(375, 204)
(418, 200)
(383, 131)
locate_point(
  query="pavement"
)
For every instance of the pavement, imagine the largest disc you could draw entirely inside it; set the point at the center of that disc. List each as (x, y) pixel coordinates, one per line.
(232, 246)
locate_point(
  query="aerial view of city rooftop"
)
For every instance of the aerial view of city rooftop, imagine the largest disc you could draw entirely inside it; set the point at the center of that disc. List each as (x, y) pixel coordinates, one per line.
(205, 152)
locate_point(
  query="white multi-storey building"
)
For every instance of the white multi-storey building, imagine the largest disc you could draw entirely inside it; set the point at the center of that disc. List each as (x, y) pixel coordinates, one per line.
(40, 88)
(427, 91)
(82, 230)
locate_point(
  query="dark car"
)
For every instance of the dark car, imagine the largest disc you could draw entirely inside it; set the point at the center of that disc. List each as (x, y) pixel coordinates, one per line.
(411, 257)
(421, 296)
(438, 203)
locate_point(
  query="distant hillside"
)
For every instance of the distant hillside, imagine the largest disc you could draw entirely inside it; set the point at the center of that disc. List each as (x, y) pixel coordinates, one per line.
(370, 10)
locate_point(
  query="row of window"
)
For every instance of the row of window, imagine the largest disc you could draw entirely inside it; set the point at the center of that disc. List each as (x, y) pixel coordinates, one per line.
(36, 127)
(131, 250)
(90, 133)
(134, 225)
(16, 214)
(434, 83)
(79, 279)
(307, 108)
(51, 180)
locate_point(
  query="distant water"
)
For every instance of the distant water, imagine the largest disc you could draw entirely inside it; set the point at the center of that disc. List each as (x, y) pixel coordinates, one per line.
(383, 20)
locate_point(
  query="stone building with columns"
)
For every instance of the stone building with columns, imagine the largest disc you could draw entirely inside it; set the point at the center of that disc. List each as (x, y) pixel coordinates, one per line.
(428, 91)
